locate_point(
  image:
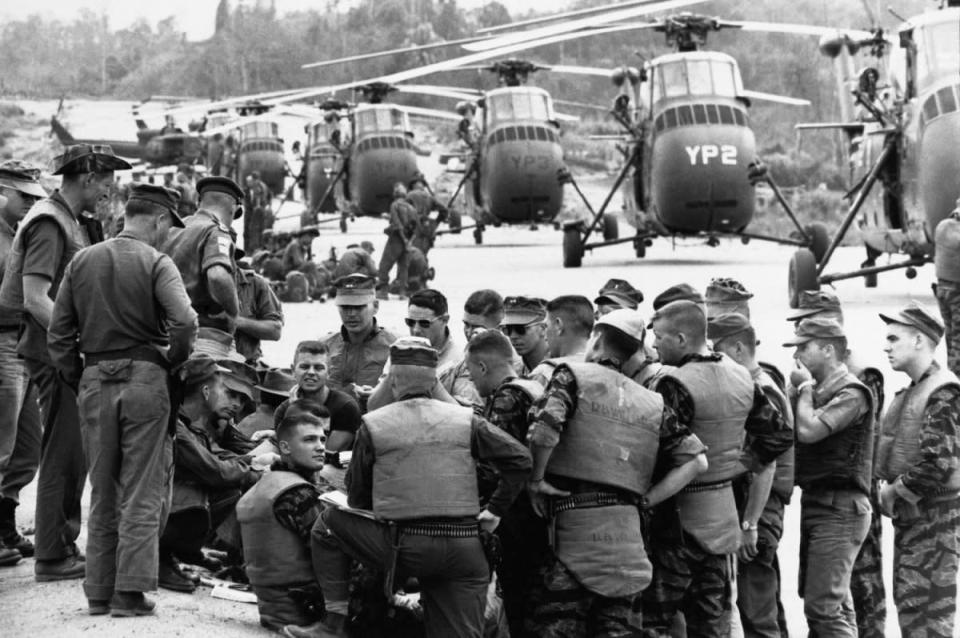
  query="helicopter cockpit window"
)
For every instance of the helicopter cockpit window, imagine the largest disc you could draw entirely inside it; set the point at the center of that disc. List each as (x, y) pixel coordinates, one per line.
(938, 55)
(698, 73)
(723, 78)
(518, 105)
(674, 79)
(252, 130)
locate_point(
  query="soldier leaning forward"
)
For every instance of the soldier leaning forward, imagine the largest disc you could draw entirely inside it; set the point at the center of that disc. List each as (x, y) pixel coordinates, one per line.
(424, 527)
(919, 457)
(596, 437)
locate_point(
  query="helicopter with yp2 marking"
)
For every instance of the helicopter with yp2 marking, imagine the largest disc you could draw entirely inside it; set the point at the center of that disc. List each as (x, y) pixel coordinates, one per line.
(687, 142)
(902, 124)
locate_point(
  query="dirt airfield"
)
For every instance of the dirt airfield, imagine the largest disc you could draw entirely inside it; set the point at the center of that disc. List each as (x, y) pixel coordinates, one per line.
(512, 260)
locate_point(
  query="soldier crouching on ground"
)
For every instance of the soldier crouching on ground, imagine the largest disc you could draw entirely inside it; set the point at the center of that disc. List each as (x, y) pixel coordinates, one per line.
(591, 491)
(276, 516)
(425, 527)
(918, 455)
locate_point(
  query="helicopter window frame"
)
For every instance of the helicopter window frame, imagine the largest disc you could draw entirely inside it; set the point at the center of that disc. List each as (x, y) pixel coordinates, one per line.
(685, 115)
(740, 117)
(931, 110)
(671, 118)
(510, 134)
(726, 115)
(713, 114)
(935, 42)
(660, 123)
(700, 113)
(947, 100)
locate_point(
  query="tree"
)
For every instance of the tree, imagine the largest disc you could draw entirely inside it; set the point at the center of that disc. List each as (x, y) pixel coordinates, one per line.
(493, 14)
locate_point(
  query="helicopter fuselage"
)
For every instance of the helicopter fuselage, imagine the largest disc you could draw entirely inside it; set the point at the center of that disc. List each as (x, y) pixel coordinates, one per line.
(382, 154)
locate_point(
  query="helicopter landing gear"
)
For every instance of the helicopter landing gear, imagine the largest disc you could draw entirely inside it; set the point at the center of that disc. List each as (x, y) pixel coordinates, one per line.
(640, 245)
(478, 234)
(819, 239)
(343, 224)
(870, 279)
(611, 228)
(455, 222)
(802, 275)
(572, 248)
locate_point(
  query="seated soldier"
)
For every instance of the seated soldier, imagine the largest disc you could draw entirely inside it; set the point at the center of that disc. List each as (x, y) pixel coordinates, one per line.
(276, 517)
(207, 480)
(274, 390)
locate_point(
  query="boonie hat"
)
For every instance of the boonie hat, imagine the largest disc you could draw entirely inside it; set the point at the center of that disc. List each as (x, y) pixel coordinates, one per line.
(727, 325)
(619, 292)
(413, 351)
(199, 367)
(678, 293)
(520, 310)
(916, 316)
(162, 196)
(276, 382)
(88, 158)
(241, 377)
(625, 320)
(814, 302)
(815, 328)
(22, 177)
(355, 290)
(308, 230)
(216, 343)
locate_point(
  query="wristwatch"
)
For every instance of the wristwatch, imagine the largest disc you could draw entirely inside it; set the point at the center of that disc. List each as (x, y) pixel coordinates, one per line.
(747, 526)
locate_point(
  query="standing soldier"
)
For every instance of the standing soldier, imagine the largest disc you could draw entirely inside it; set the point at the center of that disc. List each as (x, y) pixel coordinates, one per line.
(946, 259)
(425, 203)
(261, 315)
(259, 217)
(569, 324)
(359, 350)
(46, 240)
(121, 304)
(758, 570)
(203, 253)
(919, 458)
(19, 416)
(525, 324)
(426, 528)
(834, 420)
(697, 534)
(400, 230)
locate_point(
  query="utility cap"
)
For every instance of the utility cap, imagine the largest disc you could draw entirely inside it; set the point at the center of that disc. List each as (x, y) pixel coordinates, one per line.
(521, 310)
(814, 302)
(355, 290)
(22, 177)
(815, 328)
(166, 198)
(919, 317)
(727, 325)
(680, 292)
(619, 292)
(625, 320)
(413, 351)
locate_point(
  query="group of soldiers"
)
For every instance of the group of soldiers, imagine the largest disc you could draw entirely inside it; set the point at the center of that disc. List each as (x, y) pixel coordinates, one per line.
(573, 471)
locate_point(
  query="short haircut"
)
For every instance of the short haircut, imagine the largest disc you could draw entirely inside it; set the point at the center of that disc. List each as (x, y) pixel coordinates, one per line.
(298, 407)
(617, 342)
(484, 302)
(839, 345)
(747, 336)
(137, 207)
(686, 317)
(490, 342)
(431, 299)
(310, 347)
(576, 312)
(287, 425)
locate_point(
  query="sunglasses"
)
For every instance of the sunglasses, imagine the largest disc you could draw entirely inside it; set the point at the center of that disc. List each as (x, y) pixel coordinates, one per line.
(423, 323)
(513, 329)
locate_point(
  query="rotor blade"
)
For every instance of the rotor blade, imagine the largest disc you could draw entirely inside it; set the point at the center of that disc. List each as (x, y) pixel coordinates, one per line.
(238, 123)
(418, 111)
(563, 117)
(582, 105)
(206, 106)
(796, 29)
(582, 23)
(579, 70)
(377, 54)
(771, 97)
(454, 92)
(854, 127)
(562, 16)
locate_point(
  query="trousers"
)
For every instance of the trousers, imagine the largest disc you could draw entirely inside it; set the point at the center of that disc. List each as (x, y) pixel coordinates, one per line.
(866, 582)
(925, 560)
(394, 253)
(758, 581)
(453, 572)
(20, 430)
(833, 525)
(124, 409)
(63, 468)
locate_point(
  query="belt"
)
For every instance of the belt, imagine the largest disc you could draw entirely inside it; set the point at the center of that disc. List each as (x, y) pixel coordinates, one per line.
(443, 529)
(590, 499)
(708, 487)
(137, 353)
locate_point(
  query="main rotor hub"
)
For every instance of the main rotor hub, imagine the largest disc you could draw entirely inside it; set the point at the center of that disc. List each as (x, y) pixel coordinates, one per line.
(687, 31)
(376, 91)
(513, 72)
(252, 107)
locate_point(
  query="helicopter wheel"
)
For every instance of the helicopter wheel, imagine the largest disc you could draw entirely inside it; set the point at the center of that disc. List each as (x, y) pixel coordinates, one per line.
(802, 275)
(455, 222)
(572, 248)
(819, 239)
(611, 229)
(478, 235)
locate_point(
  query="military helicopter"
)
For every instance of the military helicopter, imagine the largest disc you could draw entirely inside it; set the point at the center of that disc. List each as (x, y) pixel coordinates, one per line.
(154, 147)
(902, 124)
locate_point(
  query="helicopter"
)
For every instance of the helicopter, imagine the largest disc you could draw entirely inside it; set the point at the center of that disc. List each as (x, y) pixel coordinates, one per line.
(902, 126)
(154, 147)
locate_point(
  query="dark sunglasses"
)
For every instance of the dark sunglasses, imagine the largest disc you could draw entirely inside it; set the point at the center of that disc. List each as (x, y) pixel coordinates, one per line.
(513, 329)
(423, 323)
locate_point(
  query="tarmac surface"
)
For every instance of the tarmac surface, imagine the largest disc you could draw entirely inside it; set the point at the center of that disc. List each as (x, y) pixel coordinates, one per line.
(512, 260)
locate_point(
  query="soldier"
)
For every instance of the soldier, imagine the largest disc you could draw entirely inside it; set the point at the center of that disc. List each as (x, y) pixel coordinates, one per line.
(866, 583)
(523, 535)
(187, 204)
(425, 204)
(257, 200)
(833, 414)
(680, 292)
(726, 295)
(359, 350)
(131, 327)
(46, 240)
(483, 310)
(617, 293)
(525, 324)
(946, 259)
(918, 456)
(758, 570)
(400, 231)
(696, 534)
(276, 516)
(569, 324)
(428, 529)
(598, 564)
(274, 390)
(203, 252)
(356, 259)
(261, 314)
(19, 416)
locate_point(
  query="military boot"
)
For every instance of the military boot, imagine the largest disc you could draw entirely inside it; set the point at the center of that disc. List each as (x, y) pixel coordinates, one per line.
(334, 626)
(10, 538)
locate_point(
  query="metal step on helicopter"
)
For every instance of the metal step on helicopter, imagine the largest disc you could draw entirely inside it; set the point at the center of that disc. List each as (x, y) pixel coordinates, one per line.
(901, 119)
(690, 163)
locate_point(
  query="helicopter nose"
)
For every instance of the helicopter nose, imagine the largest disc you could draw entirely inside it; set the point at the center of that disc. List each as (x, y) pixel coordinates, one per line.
(938, 165)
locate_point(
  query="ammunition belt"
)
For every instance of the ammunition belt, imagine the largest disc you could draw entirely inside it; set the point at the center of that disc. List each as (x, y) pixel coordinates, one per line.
(708, 487)
(441, 529)
(590, 499)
